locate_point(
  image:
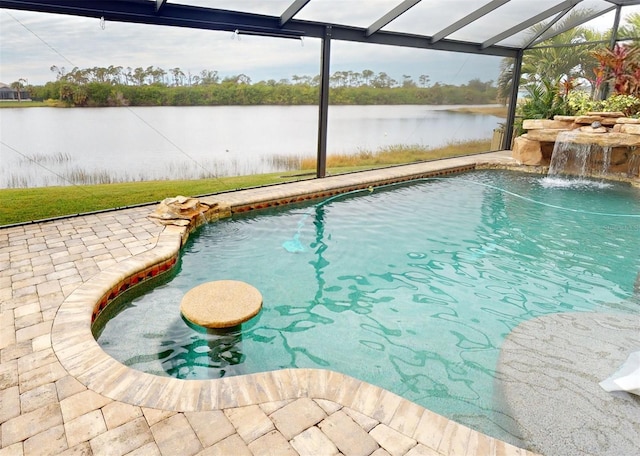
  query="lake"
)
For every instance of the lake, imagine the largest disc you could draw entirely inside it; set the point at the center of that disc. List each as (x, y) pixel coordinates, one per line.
(55, 146)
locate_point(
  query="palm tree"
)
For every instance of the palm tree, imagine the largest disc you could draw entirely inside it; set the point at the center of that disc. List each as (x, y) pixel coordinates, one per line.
(565, 56)
(18, 86)
(632, 27)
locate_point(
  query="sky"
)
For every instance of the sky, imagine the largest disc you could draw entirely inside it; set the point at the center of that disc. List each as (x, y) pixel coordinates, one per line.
(31, 43)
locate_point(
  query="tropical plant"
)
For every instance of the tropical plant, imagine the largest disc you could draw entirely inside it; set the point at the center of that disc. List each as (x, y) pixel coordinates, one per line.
(631, 27)
(618, 69)
(567, 55)
(546, 98)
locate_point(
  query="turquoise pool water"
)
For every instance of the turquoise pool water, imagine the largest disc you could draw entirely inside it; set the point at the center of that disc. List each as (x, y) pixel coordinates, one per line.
(410, 287)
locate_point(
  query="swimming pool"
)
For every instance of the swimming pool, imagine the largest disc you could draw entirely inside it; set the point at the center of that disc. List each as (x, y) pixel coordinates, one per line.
(412, 287)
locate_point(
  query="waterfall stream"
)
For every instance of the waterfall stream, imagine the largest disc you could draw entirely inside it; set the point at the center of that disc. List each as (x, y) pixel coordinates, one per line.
(580, 160)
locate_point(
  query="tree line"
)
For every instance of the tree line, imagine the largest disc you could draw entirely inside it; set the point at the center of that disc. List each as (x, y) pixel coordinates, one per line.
(154, 86)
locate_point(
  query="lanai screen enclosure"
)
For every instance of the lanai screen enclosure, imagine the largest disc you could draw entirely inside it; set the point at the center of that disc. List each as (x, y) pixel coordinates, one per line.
(501, 28)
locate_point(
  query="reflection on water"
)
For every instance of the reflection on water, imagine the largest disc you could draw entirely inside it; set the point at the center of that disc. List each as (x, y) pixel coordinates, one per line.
(104, 145)
(219, 349)
(413, 289)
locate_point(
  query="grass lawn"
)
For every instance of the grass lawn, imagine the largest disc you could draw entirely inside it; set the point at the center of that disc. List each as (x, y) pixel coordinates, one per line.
(24, 104)
(29, 204)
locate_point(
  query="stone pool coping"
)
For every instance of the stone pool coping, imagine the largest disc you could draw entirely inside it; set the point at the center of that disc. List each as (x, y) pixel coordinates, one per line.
(81, 356)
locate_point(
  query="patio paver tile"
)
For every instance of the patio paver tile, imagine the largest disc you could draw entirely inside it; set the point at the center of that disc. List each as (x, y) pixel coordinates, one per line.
(37, 377)
(345, 433)
(81, 403)
(123, 439)
(9, 374)
(47, 443)
(211, 426)
(297, 416)
(15, 351)
(118, 413)
(10, 400)
(313, 442)
(29, 321)
(150, 449)
(250, 422)
(154, 416)
(272, 444)
(380, 452)
(35, 360)
(68, 386)
(85, 427)
(176, 436)
(38, 397)
(29, 424)
(232, 445)
(421, 450)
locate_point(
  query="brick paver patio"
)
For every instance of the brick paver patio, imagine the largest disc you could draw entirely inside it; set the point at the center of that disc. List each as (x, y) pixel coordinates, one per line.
(61, 395)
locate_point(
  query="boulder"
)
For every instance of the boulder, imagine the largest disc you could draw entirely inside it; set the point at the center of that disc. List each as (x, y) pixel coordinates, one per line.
(588, 129)
(527, 151)
(610, 114)
(538, 124)
(583, 137)
(543, 135)
(564, 118)
(609, 121)
(632, 129)
(180, 211)
(609, 140)
(588, 120)
(619, 155)
(627, 120)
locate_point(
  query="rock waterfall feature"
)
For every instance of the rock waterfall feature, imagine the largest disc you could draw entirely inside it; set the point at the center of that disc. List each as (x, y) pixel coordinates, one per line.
(597, 144)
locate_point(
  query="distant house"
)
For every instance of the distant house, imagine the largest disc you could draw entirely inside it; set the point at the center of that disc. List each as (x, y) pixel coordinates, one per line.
(9, 93)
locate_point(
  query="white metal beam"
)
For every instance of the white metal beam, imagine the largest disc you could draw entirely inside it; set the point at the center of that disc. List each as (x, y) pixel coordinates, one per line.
(567, 27)
(477, 14)
(292, 10)
(391, 15)
(567, 4)
(546, 28)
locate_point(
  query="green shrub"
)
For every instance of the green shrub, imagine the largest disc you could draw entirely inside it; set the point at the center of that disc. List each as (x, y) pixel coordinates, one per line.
(581, 102)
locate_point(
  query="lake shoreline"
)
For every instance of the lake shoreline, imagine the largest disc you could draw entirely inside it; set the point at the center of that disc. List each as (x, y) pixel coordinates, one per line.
(488, 109)
(491, 110)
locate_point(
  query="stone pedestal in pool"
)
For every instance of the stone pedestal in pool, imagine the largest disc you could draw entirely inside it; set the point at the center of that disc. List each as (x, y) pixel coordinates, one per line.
(221, 304)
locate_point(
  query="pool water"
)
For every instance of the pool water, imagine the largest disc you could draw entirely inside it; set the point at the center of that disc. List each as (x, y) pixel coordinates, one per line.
(410, 287)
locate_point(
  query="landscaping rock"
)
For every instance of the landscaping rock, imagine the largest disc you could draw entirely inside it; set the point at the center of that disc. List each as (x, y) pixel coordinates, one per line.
(632, 129)
(181, 211)
(610, 114)
(526, 151)
(590, 129)
(627, 120)
(538, 124)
